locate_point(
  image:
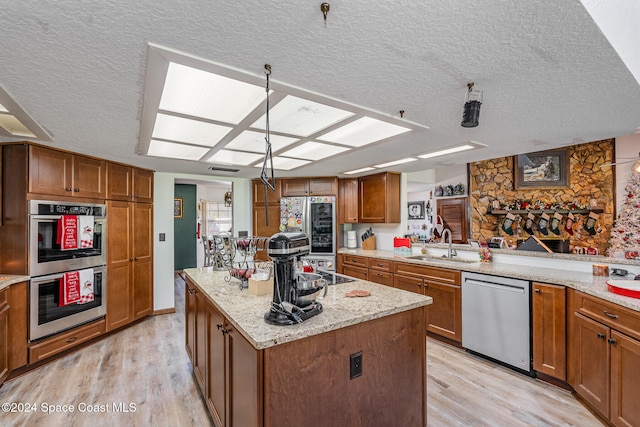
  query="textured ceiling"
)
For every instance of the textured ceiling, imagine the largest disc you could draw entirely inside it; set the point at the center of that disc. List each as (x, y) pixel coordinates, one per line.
(550, 78)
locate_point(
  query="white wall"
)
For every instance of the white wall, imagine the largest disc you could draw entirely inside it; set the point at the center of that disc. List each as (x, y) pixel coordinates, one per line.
(627, 148)
(163, 223)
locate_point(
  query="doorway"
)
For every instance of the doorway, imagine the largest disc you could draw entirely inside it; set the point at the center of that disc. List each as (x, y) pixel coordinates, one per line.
(184, 227)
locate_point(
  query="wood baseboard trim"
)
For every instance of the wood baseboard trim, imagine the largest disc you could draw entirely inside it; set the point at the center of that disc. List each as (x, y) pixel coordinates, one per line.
(169, 310)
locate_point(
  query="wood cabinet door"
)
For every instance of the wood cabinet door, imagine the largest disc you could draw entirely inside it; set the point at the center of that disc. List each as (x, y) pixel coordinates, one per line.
(444, 315)
(323, 186)
(89, 177)
(625, 380)
(200, 354)
(142, 250)
(119, 265)
(408, 283)
(19, 317)
(549, 330)
(589, 362)
(244, 381)
(142, 185)
(348, 200)
(190, 319)
(372, 197)
(273, 196)
(4, 342)
(454, 215)
(294, 187)
(215, 365)
(50, 171)
(119, 182)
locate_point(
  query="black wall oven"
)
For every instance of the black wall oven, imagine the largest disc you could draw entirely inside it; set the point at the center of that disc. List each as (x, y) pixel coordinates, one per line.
(45, 253)
(49, 316)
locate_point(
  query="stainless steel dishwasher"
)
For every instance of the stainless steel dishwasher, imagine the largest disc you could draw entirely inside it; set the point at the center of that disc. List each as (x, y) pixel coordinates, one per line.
(496, 319)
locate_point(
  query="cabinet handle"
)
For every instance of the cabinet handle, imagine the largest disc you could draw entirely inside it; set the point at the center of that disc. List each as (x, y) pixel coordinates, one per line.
(130, 259)
(611, 315)
(537, 291)
(77, 190)
(219, 325)
(192, 291)
(380, 275)
(136, 196)
(611, 341)
(67, 189)
(225, 331)
(72, 339)
(380, 264)
(136, 259)
(601, 336)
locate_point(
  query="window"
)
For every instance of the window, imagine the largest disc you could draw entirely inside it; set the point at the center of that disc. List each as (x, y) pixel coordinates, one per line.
(219, 218)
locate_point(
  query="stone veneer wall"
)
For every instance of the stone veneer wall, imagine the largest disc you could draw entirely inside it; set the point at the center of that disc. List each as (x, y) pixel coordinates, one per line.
(493, 179)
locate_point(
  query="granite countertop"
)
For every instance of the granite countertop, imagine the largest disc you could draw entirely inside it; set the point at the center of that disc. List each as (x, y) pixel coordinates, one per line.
(8, 279)
(581, 281)
(245, 311)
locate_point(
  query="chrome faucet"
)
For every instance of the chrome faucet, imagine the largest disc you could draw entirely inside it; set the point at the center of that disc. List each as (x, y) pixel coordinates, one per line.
(450, 252)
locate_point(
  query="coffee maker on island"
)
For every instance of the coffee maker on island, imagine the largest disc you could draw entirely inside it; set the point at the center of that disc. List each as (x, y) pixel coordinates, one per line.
(294, 292)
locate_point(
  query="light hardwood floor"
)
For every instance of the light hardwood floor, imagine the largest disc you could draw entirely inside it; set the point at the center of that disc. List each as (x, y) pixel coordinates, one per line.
(147, 365)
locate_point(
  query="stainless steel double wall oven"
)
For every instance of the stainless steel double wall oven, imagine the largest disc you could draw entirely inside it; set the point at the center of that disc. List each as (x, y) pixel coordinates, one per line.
(48, 263)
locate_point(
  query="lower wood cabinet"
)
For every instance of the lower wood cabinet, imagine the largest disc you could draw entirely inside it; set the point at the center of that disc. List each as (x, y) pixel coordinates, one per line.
(227, 368)
(604, 355)
(355, 266)
(4, 335)
(129, 262)
(549, 321)
(13, 328)
(65, 341)
(444, 315)
(381, 271)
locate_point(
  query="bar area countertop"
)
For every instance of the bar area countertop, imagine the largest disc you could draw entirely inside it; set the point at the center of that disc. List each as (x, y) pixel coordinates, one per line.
(246, 311)
(7, 280)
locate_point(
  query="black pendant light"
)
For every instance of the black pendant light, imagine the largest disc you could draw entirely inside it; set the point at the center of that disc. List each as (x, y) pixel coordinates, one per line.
(472, 103)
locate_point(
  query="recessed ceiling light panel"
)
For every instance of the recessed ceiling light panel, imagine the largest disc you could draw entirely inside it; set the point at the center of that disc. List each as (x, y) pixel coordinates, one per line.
(254, 142)
(367, 169)
(285, 163)
(3, 109)
(463, 147)
(187, 130)
(301, 117)
(363, 131)
(229, 157)
(202, 94)
(395, 162)
(314, 151)
(175, 151)
(14, 126)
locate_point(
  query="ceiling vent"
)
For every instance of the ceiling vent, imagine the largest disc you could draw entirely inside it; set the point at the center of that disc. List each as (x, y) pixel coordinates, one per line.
(220, 169)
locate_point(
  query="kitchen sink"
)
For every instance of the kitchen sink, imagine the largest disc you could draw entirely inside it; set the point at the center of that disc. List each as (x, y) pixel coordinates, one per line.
(440, 258)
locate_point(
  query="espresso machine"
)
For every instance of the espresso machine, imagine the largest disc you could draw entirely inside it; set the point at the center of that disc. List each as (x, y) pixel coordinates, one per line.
(290, 303)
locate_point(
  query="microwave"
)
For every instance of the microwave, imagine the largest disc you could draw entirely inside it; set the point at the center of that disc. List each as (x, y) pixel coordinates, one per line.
(46, 256)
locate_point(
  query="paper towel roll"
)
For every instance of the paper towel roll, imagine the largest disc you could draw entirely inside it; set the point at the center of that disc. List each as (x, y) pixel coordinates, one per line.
(352, 243)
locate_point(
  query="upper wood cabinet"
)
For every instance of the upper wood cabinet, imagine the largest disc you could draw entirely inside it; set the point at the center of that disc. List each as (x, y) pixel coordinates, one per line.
(316, 186)
(348, 200)
(59, 173)
(549, 330)
(272, 196)
(379, 198)
(127, 183)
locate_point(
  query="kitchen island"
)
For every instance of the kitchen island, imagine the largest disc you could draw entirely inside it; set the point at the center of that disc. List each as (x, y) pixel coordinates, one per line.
(253, 373)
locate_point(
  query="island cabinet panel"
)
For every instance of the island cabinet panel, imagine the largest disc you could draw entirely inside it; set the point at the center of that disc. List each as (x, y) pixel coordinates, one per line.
(215, 367)
(4, 336)
(549, 330)
(190, 319)
(18, 316)
(388, 393)
(244, 373)
(200, 355)
(604, 355)
(444, 316)
(379, 198)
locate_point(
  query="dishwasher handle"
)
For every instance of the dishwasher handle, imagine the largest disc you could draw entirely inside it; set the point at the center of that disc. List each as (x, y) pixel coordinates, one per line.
(511, 288)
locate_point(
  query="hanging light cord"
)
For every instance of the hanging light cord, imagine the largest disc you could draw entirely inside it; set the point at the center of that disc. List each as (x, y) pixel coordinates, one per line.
(269, 182)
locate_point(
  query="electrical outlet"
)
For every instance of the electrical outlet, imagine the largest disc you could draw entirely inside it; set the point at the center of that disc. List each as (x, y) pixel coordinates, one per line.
(355, 365)
(161, 237)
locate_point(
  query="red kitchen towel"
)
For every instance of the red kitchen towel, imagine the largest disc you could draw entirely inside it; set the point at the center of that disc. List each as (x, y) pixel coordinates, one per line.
(399, 242)
(69, 288)
(68, 232)
(86, 286)
(85, 231)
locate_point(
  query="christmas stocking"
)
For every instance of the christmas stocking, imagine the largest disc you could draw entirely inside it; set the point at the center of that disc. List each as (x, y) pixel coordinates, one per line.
(439, 227)
(507, 223)
(568, 226)
(590, 223)
(554, 224)
(543, 224)
(528, 224)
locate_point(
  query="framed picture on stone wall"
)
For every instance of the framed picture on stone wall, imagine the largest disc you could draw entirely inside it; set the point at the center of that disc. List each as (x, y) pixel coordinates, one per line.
(542, 169)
